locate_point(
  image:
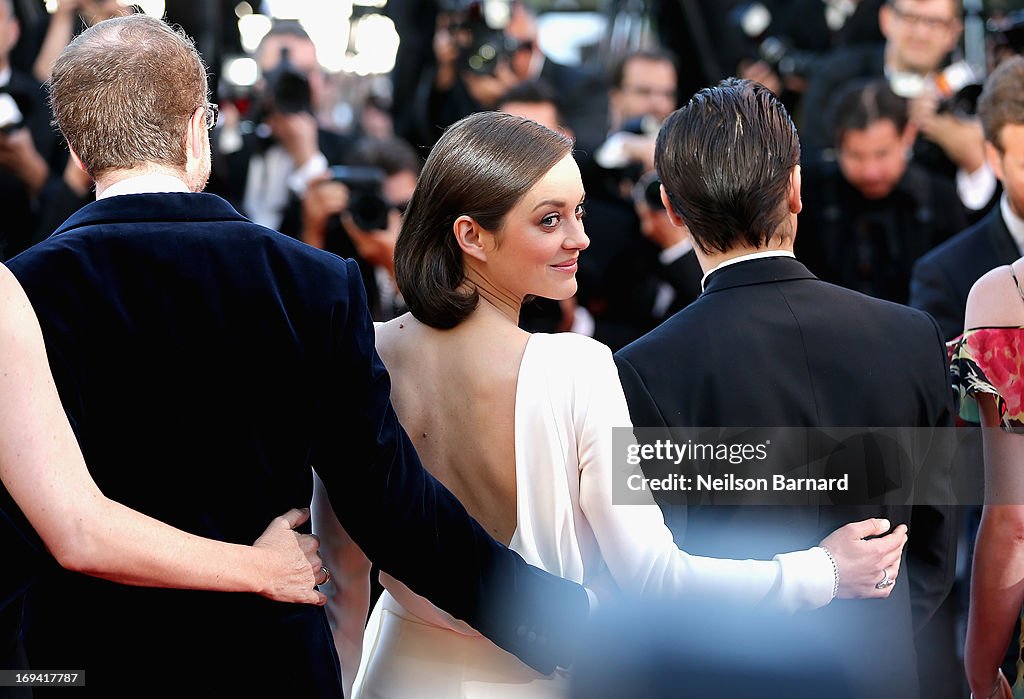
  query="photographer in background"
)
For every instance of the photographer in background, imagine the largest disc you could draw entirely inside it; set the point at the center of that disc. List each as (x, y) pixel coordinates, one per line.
(868, 217)
(265, 160)
(484, 48)
(356, 211)
(784, 40)
(919, 35)
(28, 146)
(642, 94)
(655, 276)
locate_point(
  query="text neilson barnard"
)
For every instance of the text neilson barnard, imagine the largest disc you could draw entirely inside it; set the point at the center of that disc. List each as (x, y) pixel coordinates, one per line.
(729, 482)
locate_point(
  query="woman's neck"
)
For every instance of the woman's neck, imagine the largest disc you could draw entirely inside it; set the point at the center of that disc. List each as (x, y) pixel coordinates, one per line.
(493, 300)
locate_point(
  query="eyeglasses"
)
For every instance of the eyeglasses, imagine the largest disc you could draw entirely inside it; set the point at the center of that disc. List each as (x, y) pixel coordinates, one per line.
(211, 112)
(931, 23)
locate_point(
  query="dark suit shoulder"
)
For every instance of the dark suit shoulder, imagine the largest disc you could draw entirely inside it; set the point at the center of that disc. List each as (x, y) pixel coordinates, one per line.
(110, 240)
(967, 244)
(731, 315)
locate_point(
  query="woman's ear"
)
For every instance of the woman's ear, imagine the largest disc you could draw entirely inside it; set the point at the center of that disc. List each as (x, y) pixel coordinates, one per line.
(470, 237)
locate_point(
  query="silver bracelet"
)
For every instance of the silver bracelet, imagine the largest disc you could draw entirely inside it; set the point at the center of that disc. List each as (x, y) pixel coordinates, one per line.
(835, 571)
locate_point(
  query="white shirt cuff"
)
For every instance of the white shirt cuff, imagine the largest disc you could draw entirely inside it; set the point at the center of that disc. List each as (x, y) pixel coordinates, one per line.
(299, 180)
(975, 189)
(807, 579)
(674, 252)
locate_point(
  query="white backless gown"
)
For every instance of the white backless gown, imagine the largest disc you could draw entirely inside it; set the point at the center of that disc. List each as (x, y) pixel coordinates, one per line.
(568, 398)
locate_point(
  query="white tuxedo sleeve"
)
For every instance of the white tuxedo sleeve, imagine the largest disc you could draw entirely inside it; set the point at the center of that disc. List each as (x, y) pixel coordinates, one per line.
(634, 541)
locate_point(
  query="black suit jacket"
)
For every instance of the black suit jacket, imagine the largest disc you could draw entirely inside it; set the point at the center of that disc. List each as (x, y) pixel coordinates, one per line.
(942, 279)
(206, 364)
(770, 345)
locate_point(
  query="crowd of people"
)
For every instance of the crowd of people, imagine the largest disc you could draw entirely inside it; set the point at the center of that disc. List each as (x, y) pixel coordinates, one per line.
(428, 329)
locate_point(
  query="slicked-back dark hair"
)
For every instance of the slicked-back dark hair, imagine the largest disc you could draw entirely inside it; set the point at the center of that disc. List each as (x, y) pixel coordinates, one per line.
(481, 167)
(725, 161)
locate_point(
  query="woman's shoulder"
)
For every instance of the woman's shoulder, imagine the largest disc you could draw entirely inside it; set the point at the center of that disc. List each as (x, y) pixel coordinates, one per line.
(394, 338)
(995, 299)
(397, 328)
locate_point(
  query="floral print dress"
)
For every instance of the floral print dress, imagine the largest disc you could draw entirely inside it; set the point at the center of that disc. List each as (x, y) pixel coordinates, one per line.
(990, 360)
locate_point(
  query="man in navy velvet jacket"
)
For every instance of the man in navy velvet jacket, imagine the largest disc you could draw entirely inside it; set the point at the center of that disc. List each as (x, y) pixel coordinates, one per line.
(206, 364)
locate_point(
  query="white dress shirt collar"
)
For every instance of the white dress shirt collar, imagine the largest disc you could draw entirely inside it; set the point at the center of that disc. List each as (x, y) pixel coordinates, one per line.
(145, 184)
(1014, 223)
(744, 258)
(5, 76)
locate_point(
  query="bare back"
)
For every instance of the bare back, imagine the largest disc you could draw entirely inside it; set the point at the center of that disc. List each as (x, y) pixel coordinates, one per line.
(455, 394)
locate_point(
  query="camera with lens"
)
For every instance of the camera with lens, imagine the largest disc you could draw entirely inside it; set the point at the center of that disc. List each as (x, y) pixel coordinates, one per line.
(286, 88)
(754, 21)
(366, 202)
(957, 86)
(479, 30)
(786, 60)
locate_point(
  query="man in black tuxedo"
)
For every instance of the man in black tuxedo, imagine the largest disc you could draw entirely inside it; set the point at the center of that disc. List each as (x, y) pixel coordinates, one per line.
(942, 279)
(207, 363)
(769, 345)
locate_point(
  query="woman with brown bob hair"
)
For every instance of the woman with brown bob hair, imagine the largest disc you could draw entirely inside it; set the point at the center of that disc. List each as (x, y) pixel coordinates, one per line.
(519, 426)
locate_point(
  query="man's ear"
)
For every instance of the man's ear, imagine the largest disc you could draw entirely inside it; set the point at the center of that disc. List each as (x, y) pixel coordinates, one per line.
(796, 204)
(77, 161)
(470, 237)
(196, 133)
(995, 159)
(675, 218)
